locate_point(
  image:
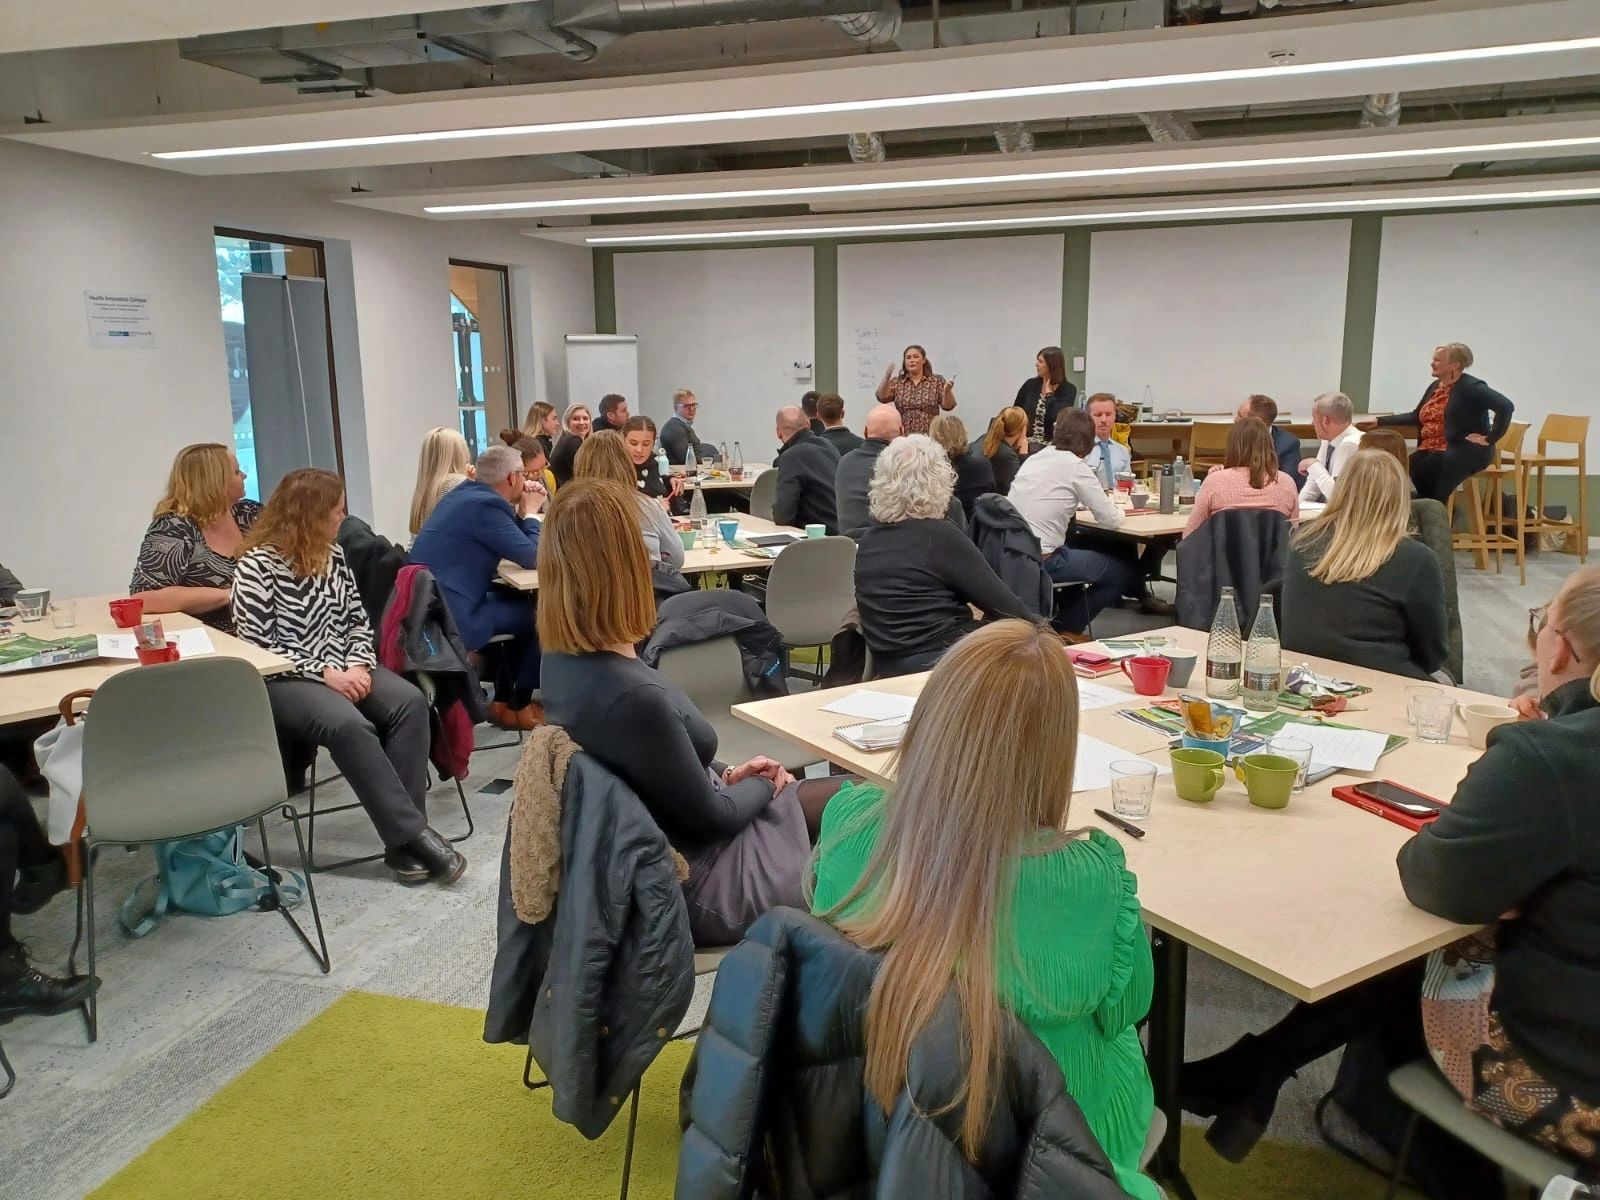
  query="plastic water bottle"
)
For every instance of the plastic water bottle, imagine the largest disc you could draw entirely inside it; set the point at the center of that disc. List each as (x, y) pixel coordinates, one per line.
(1263, 662)
(1224, 650)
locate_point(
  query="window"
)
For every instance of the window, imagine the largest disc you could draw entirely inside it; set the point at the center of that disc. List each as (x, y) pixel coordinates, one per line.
(280, 431)
(480, 306)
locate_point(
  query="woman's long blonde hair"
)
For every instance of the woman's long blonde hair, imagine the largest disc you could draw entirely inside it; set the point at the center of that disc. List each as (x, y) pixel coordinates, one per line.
(534, 425)
(444, 452)
(964, 811)
(197, 486)
(604, 455)
(294, 521)
(1365, 522)
(1004, 429)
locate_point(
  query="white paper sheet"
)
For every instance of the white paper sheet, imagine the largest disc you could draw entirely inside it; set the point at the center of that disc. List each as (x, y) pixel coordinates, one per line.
(1348, 749)
(1098, 695)
(867, 705)
(191, 643)
(1092, 768)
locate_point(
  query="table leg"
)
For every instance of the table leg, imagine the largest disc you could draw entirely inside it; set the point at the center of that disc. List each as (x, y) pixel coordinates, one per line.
(1168, 1019)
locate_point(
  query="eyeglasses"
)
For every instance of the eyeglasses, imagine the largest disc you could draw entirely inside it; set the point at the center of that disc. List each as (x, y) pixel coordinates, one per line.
(1538, 618)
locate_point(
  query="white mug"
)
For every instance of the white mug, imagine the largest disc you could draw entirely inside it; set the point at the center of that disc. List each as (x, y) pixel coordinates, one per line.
(1481, 718)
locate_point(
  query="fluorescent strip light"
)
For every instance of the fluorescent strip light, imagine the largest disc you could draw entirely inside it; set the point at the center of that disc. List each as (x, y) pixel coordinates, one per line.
(1235, 74)
(906, 185)
(1092, 218)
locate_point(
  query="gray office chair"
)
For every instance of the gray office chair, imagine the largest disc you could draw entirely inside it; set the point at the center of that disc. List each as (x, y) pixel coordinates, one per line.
(1429, 1094)
(763, 492)
(180, 750)
(711, 674)
(810, 591)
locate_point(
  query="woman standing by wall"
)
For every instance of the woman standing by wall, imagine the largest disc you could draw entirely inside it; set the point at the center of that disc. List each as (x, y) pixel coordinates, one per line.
(1046, 394)
(916, 391)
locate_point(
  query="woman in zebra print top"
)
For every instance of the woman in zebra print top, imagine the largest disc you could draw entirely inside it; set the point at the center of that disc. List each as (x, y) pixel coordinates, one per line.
(294, 594)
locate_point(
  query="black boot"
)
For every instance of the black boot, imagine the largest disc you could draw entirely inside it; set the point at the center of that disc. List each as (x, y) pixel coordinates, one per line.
(24, 989)
(36, 886)
(1240, 1088)
(407, 867)
(438, 855)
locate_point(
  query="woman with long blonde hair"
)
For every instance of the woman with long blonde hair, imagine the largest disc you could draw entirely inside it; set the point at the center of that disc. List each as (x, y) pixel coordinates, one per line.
(195, 536)
(576, 424)
(1356, 587)
(974, 473)
(1005, 445)
(543, 423)
(964, 872)
(444, 462)
(604, 455)
(294, 594)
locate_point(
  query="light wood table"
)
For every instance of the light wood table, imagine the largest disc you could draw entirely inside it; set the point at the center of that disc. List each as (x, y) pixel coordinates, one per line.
(699, 561)
(28, 695)
(1306, 899)
(723, 484)
(1149, 525)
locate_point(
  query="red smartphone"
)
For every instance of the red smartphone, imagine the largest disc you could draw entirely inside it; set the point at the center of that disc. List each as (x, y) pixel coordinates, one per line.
(1089, 658)
(1400, 799)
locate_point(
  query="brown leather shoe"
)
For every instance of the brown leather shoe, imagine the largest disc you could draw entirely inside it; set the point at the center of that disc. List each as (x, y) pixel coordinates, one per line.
(530, 717)
(505, 716)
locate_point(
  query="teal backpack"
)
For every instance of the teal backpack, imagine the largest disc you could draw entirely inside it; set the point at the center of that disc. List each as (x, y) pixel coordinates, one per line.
(208, 876)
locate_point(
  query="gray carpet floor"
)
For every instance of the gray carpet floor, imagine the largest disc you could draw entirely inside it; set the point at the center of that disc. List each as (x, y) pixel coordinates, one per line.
(193, 1004)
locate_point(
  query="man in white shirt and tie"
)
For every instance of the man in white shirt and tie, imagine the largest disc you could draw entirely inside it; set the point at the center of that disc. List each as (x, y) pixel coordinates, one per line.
(1109, 457)
(1332, 419)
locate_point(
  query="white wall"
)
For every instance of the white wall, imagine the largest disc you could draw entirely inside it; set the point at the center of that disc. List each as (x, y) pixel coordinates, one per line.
(727, 324)
(1205, 315)
(86, 436)
(1522, 288)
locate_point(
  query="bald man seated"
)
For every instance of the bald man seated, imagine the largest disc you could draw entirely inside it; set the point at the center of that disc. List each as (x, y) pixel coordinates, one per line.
(854, 475)
(806, 468)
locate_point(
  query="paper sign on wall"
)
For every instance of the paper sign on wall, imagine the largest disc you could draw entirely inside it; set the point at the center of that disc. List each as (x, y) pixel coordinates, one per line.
(119, 320)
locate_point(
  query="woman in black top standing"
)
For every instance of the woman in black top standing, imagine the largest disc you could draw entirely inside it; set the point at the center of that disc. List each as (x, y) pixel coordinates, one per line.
(1459, 419)
(746, 830)
(1046, 394)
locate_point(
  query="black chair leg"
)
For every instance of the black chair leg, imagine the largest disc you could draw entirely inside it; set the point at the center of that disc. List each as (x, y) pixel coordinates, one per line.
(1403, 1157)
(466, 812)
(91, 1002)
(11, 1076)
(627, 1153)
(323, 959)
(311, 827)
(527, 1074)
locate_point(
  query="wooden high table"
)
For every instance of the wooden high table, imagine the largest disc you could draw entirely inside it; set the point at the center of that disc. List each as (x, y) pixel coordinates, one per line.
(699, 561)
(29, 695)
(1306, 898)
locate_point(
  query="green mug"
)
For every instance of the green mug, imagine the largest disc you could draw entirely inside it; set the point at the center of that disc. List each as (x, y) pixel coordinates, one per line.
(1268, 778)
(1197, 774)
(689, 538)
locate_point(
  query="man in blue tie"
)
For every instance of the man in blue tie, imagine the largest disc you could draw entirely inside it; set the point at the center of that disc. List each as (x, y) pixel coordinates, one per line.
(1108, 457)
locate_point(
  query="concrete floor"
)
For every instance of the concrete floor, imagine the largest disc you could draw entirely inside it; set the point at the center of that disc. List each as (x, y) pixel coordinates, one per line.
(189, 1007)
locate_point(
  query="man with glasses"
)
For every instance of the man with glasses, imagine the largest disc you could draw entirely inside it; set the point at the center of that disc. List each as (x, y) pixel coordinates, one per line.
(677, 431)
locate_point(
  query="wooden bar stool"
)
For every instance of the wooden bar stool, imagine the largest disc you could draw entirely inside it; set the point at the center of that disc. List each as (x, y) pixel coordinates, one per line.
(1561, 431)
(1208, 444)
(1499, 532)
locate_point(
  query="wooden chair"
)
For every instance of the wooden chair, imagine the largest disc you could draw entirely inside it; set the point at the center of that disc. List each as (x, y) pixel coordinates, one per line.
(1208, 444)
(1483, 492)
(1561, 431)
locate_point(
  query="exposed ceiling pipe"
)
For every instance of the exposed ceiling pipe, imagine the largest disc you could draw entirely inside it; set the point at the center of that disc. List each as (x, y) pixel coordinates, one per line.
(876, 28)
(1169, 127)
(1381, 111)
(1013, 137)
(866, 147)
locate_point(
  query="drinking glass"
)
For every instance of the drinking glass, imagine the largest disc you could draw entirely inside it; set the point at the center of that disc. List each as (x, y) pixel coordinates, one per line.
(1298, 749)
(1156, 645)
(1413, 694)
(1435, 712)
(1133, 787)
(64, 614)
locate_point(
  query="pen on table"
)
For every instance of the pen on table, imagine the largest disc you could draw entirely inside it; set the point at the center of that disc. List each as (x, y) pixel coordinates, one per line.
(1127, 827)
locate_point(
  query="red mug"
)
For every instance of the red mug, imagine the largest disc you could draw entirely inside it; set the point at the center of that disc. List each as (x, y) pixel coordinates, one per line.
(126, 612)
(150, 655)
(1148, 672)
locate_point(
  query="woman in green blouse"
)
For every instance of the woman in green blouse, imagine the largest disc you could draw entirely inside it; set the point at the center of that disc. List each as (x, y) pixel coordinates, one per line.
(965, 870)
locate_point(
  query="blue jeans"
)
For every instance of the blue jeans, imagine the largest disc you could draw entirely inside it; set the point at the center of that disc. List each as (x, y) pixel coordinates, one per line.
(1108, 578)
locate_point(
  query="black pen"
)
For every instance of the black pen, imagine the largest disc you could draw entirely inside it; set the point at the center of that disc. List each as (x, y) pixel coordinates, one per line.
(1126, 826)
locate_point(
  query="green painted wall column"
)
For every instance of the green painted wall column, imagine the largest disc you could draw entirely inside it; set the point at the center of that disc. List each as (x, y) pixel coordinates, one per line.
(825, 317)
(605, 291)
(1361, 309)
(1075, 301)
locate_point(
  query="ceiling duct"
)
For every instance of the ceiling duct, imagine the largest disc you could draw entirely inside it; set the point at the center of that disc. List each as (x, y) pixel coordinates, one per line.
(1381, 111)
(1169, 127)
(866, 147)
(621, 17)
(1013, 137)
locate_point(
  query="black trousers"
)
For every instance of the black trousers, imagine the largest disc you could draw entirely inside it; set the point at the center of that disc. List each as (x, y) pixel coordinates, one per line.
(1438, 473)
(22, 844)
(516, 673)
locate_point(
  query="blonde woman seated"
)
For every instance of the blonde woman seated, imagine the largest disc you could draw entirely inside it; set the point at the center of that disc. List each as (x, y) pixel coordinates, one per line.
(965, 869)
(443, 462)
(576, 423)
(918, 577)
(187, 558)
(1005, 445)
(1248, 478)
(974, 472)
(1356, 587)
(604, 455)
(744, 829)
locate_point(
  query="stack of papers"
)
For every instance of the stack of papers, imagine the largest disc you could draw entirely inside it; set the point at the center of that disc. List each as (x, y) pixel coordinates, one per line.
(868, 705)
(1091, 770)
(1339, 746)
(872, 735)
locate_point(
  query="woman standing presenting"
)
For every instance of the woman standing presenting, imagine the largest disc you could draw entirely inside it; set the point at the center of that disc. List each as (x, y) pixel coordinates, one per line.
(1046, 394)
(917, 392)
(1460, 419)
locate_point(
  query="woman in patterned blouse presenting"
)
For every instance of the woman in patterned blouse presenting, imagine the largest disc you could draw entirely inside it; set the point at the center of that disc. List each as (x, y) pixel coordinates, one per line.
(916, 391)
(294, 595)
(186, 560)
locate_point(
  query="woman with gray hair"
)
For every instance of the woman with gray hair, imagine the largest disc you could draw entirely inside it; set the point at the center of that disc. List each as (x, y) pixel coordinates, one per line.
(917, 575)
(1459, 419)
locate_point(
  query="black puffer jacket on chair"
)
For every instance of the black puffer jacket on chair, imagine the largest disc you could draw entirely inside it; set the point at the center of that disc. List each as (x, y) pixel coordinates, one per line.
(775, 1102)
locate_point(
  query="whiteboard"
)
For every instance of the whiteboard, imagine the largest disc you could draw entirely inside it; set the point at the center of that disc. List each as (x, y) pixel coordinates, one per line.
(729, 325)
(1205, 315)
(1521, 287)
(981, 307)
(599, 364)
